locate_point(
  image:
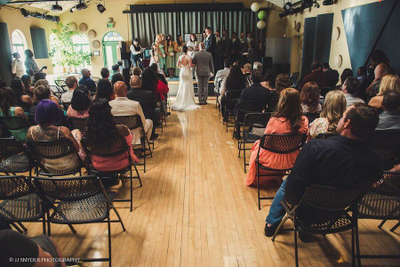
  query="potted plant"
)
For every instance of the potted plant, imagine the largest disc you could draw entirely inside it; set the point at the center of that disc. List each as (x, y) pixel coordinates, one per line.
(63, 50)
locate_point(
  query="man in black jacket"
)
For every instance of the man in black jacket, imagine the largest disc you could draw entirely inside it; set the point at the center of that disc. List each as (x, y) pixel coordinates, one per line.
(342, 161)
(332, 76)
(256, 92)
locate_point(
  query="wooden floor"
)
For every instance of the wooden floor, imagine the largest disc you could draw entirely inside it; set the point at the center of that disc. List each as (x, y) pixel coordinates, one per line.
(194, 210)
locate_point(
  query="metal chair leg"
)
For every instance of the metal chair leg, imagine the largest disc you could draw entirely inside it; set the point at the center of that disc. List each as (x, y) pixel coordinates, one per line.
(258, 188)
(395, 227)
(23, 227)
(119, 218)
(381, 224)
(296, 252)
(131, 189)
(357, 245)
(279, 227)
(17, 228)
(138, 175)
(353, 257)
(109, 238)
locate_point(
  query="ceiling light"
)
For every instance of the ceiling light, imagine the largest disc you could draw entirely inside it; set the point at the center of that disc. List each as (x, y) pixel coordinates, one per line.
(25, 13)
(82, 5)
(329, 2)
(56, 7)
(72, 9)
(101, 8)
(287, 6)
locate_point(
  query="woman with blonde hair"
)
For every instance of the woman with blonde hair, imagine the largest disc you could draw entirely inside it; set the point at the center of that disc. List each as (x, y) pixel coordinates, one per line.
(334, 107)
(309, 97)
(288, 119)
(389, 82)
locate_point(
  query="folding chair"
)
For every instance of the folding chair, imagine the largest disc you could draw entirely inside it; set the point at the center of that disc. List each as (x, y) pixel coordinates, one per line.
(232, 98)
(78, 123)
(14, 123)
(242, 109)
(14, 157)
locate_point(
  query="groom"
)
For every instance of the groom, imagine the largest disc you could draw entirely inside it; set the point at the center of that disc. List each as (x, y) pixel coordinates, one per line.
(204, 70)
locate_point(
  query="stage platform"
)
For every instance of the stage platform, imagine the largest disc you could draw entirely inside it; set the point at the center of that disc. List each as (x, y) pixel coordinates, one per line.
(173, 85)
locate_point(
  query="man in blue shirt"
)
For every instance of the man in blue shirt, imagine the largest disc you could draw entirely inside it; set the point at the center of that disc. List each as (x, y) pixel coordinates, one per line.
(87, 81)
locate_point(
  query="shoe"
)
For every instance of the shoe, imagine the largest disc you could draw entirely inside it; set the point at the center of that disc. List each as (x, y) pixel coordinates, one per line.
(305, 238)
(269, 231)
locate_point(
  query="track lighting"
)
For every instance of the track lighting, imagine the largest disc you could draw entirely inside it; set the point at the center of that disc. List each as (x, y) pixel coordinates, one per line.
(56, 7)
(329, 2)
(81, 5)
(38, 15)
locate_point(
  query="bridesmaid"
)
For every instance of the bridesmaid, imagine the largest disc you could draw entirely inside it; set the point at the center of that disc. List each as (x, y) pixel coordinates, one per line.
(170, 64)
(161, 51)
(178, 51)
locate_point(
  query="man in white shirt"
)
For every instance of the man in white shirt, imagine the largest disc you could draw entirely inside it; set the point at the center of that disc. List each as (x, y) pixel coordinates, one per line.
(122, 106)
(221, 75)
(350, 89)
(72, 84)
(16, 66)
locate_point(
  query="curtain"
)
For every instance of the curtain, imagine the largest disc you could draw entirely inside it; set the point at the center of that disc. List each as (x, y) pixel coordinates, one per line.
(146, 25)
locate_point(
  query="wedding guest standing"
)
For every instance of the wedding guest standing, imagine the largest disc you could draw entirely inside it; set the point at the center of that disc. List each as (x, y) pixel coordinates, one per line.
(234, 48)
(225, 46)
(210, 44)
(170, 56)
(161, 52)
(30, 64)
(16, 66)
(136, 52)
(218, 51)
(178, 51)
(154, 55)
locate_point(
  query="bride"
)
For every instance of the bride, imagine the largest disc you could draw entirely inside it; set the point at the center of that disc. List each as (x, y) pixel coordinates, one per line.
(185, 97)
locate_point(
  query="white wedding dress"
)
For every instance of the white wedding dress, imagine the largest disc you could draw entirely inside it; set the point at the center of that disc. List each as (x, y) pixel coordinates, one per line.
(185, 97)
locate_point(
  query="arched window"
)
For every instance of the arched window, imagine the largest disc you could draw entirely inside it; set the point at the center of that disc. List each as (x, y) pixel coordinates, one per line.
(55, 53)
(81, 42)
(19, 44)
(111, 47)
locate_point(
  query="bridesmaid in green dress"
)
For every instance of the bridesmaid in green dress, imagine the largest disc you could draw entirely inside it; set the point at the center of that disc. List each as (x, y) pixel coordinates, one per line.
(161, 51)
(170, 63)
(178, 51)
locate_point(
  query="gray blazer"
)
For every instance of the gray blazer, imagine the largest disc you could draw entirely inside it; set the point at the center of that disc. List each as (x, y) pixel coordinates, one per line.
(204, 63)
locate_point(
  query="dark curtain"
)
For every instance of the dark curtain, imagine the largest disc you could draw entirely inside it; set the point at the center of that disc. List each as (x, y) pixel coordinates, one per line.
(146, 25)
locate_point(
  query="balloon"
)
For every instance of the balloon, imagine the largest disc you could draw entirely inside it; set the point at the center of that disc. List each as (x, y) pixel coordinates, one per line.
(255, 7)
(262, 14)
(261, 24)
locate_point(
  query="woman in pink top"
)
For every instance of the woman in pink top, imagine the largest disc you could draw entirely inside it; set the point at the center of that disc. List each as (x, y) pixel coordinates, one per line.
(80, 103)
(287, 119)
(101, 126)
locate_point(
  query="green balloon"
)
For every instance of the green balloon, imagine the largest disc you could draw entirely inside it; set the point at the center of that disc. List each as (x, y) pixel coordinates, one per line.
(262, 14)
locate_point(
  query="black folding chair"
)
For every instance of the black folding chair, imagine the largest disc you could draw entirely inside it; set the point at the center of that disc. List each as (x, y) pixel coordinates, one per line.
(52, 150)
(242, 109)
(14, 123)
(78, 123)
(324, 135)
(382, 201)
(342, 203)
(134, 122)
(31, 118)
(232, 98)
(311, 116)
(280, 144)
(251, 120)
(273, 103)
(4, 132)
(387, 144)
(217, 94)
(14, 157)
(111, 148)
(19, 203)
(81, 200)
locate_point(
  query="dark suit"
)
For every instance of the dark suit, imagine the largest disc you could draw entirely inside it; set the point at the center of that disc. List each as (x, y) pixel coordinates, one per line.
(256, 92)
(210, 46)
(315, 76)
(235, 50)
(226, 44)
(332, 77)
(218, 63)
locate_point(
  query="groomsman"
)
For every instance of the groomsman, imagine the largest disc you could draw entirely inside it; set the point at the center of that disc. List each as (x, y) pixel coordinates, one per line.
(226, 44)
(234, 48)
(210, 43)
(243, 47)
(218, 51)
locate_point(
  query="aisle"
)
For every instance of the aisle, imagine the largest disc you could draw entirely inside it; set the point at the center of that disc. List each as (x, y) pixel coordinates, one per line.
(194, 210)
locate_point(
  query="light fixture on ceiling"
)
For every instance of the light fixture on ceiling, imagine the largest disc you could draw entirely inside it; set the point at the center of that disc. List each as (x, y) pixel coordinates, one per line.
(81, 5)
(28, 14)
(101, 8)
(25, 13)
(329, 2)
(287, 6)
(56, 7)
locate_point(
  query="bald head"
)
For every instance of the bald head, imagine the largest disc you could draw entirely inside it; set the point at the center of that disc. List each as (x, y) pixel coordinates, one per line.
(120, 89)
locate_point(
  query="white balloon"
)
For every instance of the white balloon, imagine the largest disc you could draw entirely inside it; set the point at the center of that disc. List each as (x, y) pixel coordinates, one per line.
(255, 7)
(261, 24)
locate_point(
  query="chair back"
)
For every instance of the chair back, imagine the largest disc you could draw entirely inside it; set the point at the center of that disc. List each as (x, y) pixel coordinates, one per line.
(61, 84)
(14, 122)
(232, 98)
(282, 143)
(273, 103)
(51, 149)
(257, 119)
(105, 148)
(4, 132)
(132, 122)
(13, 187)
(31, 118)
(324, 136)
(78, 123)
(325, 90)
(9, 147)
(245, 107)
(311, 116)
(68, 189)
(385, 143)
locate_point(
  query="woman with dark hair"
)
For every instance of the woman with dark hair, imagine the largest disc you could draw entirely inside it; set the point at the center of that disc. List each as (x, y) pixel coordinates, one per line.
(149, 80)
(162, 85)
(48, 116)
(127, 77)
(170, 56)
(30, 64)
(309, 97)
(281, 83)
(269, 79)
(379, 63)
(178, 45)
(101, 126)
(105, 90)
(8, 107)
(288, 119)
(23, 100)
(80, 103)
(117, 77)
(346, 74)
(27, 81)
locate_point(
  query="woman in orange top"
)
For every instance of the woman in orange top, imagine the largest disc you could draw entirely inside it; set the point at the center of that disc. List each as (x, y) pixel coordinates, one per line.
(287, 119)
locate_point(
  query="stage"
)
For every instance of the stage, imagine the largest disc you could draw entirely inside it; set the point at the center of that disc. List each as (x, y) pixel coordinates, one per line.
(173, 85)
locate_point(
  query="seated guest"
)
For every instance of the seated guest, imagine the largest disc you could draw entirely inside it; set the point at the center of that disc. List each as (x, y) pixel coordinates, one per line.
(27, 81)
(350, 88)
(361, 74)
(287, 119)
(22, 100)
(105, 73)
(145, 98)
(43, 92)
(46, 84)
(9, 108)
(115, 70)
(389, 119)
(247, 72)
(122, 106)
(332, 112)
(105, 90)
(375, 87)
(101, 126)
(221, 75)
(47, 117)
(117, 77)
(309, 97)
(42, 249)
(316, 76)
(281, 83)
(332, 76)
(236, 81)
(269, 79)
(135, 80)
(255, 92)
(257, 65)
(80, 103)
(127, 78)
(39, 76)
(388, 82)
(159, 73)
(72, 84)
(87, 81)
(162, 89)
(345, 74)
(341, 161)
